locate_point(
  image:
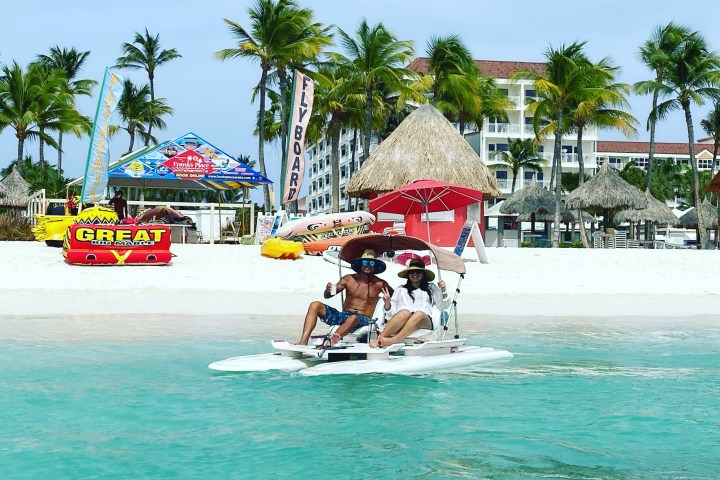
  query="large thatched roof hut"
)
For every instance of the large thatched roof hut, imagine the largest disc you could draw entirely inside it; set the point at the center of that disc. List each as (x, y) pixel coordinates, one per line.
(14, 190)
(655, 212)
(424, 146)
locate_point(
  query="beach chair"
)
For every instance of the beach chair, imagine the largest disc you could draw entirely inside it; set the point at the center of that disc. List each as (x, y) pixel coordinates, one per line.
(398, 228)
(633, 244)
(231, 233)
(620, 239)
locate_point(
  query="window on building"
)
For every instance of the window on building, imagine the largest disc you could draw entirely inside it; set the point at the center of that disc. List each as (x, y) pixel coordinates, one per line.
(497, 147)
(704, 163)
(640, 162)
(569, 149)
(530, 93)
(504, 91)
(327, 179)
(327, 198)
(320, 182)
(314, 168)
(528, 120)
(343, 171)
(343, 150)
(529, 175)
(501, 174)
(327, 161)
(615, 162)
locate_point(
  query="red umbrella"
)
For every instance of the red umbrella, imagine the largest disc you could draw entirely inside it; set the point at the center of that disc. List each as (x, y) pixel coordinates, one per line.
(425, 196)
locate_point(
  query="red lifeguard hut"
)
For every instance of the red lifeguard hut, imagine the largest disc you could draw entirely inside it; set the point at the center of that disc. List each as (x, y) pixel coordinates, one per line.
(425, 146)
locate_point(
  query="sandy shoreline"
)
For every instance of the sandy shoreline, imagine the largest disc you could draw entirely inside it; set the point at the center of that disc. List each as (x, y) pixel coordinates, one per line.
(232, 279)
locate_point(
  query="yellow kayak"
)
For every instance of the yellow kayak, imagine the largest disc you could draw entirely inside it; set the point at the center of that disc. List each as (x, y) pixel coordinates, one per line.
(278, 248)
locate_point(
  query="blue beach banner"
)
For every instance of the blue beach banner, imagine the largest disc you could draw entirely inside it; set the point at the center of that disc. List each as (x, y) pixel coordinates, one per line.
(98, 160)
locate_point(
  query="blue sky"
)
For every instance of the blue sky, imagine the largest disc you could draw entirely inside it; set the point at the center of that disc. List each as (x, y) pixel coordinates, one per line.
(212, 98)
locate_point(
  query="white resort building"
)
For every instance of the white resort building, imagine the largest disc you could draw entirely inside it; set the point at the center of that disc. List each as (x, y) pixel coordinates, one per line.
(494, 136)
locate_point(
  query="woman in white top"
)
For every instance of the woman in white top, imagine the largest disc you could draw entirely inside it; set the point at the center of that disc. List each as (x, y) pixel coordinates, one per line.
(411, 304)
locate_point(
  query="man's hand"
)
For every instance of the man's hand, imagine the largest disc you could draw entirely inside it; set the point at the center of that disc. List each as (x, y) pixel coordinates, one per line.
(386, 298)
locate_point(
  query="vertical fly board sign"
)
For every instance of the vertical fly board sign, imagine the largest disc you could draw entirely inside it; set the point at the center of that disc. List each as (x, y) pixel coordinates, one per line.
(471, 229)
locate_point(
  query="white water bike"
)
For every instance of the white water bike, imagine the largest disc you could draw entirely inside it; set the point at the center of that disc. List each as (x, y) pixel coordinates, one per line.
(422, 352)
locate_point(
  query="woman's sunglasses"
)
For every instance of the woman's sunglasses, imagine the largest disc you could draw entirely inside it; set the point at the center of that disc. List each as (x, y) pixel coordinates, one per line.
(368, 263)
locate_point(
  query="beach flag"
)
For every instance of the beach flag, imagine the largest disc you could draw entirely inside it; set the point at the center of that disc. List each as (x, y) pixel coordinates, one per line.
(302, 101)
(98, 160)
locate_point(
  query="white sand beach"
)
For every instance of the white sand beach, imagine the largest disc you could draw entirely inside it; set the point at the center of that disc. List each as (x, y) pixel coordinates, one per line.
(235, 279)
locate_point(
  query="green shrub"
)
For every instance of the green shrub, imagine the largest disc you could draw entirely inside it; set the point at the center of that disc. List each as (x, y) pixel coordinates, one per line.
(15, 228)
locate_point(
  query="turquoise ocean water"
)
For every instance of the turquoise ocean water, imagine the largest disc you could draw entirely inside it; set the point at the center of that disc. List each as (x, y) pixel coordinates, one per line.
(577, 402)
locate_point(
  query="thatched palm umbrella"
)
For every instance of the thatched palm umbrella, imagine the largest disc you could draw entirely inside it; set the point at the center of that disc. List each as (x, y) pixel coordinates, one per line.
(690, 219)
(14, 190)
(530, 200)
(655, 212)
(606, 191)
(424, 146)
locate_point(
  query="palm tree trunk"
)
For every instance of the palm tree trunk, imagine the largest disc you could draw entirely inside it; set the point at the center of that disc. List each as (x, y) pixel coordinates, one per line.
(151, 77)
(351, 170)
(335, 161)
(651, 157)
(59, 161)
(21, 145)
(261, 137)
(557, 162)
(581, 180)
(41, 149)
(368, 122)
(132, 139)
(703, 238)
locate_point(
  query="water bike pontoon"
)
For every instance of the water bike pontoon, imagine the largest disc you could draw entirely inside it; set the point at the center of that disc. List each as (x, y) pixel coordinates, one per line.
(422, 352)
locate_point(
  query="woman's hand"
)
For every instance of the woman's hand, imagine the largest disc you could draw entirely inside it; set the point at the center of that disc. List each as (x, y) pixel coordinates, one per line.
(442, 286)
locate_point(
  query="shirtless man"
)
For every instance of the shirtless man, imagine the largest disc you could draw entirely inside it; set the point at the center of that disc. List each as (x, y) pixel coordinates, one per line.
(363, 291)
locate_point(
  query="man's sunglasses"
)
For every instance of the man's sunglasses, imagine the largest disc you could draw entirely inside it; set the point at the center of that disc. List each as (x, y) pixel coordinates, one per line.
(368, 263)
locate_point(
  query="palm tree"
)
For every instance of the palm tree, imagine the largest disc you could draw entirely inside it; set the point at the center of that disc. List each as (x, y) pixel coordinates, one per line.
(692, 76)
(139, 112)
(71, 62)
(566, 71)
(55, 109)
(655, 54)
(376, 57)
(268, 21)
(520, 154)
(145, 54)
(300, 42)
(20, 93)
(452, 73)
(599, 103)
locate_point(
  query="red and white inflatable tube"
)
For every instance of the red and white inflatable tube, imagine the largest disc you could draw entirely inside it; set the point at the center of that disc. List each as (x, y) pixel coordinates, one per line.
(117, 244)
(328, 222)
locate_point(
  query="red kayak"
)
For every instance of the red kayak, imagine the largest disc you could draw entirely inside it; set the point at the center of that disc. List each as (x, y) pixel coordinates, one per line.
(317, 247)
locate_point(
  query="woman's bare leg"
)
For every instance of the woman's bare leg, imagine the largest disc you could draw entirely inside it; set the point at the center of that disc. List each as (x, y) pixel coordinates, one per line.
(395, 324)
(416, 321)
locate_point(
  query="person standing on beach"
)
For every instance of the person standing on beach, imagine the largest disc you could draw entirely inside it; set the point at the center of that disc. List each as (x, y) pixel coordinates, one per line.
(119, 205)
(363, 292)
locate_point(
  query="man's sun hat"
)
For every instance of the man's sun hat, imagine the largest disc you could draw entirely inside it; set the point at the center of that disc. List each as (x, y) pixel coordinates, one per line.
(415, 265)
(368, 257)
